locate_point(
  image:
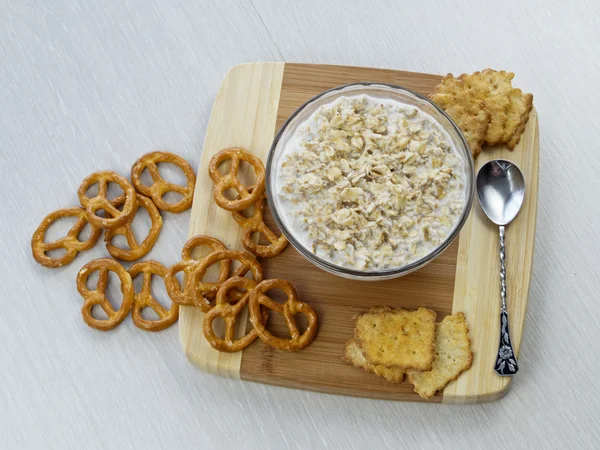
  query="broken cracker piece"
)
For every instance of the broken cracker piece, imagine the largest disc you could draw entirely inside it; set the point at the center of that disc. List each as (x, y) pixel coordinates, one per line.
(453, 355)
(470, 116)
(397, 337)
(518, 115)
(355, 356)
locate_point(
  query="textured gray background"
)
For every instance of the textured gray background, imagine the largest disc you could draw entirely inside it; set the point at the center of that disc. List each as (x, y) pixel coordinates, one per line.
(90, 85)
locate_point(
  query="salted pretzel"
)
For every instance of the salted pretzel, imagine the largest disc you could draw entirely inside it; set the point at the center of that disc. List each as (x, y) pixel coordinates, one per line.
(198, 288)
(256, 224)
(101, 202)
(160, 186)
(230, 181)
(188, 263)
(135, 251)
(98, 296)
(291, 307)
(229, 313)
(70, 242)
(144, 299)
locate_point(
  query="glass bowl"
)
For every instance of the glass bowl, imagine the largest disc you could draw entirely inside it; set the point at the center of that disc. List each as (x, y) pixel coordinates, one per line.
(376, 90)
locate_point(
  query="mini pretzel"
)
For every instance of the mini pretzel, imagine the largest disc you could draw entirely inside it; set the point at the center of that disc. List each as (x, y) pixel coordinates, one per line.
(101, 202)
(256, 224)
(160, 187)
(201, 241)
(288, 309)
(198, 288)
(188, 264)
(229, 313)
(70, 242)
(144, 298)
(135, 251)
(98, 297)
(231, 181)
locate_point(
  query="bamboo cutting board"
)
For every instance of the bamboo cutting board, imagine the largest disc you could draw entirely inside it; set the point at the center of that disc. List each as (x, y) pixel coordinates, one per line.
(253, 102)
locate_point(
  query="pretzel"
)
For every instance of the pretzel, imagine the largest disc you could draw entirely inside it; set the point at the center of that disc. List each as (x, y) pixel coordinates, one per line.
(291, 307)
(201, 241)
(231, 181)
(188, 264)
(256, 224)
(229, 313)
(144, 298)
(70, 242)
(160, 186)
(135, 251)
(198, 288)
(101, 202)
(98, 297)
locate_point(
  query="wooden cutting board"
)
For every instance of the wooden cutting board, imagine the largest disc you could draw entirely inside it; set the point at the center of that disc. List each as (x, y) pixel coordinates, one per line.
(253, 102)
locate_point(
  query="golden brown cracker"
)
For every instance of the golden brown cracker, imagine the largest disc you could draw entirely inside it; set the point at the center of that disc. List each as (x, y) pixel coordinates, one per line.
(508, 107)
(493, 87)
(470, 116)
(520, 107)
(355, 356)
(453, 355)
(397, 337)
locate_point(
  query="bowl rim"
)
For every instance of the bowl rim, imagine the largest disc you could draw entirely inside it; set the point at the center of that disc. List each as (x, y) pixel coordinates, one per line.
(390, 272)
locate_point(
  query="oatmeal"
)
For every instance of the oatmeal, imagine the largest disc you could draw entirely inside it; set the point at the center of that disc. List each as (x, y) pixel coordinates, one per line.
(371, 184)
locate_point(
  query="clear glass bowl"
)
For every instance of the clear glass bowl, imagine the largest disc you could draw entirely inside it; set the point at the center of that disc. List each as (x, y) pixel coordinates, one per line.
(376, 90)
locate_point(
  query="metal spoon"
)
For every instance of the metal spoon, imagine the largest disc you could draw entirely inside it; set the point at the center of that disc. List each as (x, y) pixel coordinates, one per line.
(501, 188)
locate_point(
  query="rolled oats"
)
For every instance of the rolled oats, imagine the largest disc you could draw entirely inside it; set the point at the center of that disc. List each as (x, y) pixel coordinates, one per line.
(372, 184)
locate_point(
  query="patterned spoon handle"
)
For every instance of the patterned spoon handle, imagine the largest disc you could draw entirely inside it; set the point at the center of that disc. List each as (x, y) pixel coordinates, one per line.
(506, 361)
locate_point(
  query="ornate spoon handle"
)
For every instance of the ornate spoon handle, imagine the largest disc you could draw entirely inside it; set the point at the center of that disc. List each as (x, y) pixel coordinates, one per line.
(506, 362)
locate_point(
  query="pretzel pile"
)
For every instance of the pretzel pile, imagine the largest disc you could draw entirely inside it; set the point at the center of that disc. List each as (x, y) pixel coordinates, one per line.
(231, 293)
(248, 197)
(117, 218)
(225, 298)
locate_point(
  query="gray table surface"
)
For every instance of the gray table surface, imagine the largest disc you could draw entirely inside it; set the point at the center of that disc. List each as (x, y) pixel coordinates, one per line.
(90, 85)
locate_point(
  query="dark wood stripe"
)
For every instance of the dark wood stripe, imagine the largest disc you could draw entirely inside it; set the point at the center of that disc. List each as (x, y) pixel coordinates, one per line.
(319, 367)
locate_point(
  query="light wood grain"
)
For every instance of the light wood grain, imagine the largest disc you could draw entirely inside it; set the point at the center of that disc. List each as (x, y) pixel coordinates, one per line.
(439, 286)
(243, 116)
(477, 288)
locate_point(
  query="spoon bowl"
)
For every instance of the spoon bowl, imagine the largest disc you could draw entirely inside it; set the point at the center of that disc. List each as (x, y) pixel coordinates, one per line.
(501, 190)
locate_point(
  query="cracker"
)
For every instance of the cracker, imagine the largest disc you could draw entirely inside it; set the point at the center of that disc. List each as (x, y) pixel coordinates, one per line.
(518, 115)
(508, 107)
(493, 87)
(490, 86)
(397, 337)
(470, 116)
(355, 356)
(453, 355)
